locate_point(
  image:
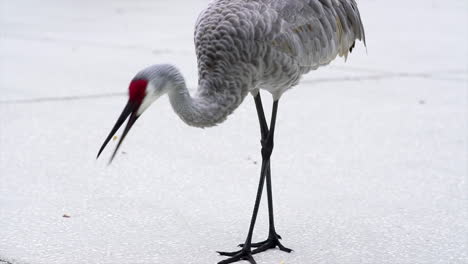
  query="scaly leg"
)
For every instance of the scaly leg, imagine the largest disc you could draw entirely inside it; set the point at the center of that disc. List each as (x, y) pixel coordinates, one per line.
(273, 237)
(267, 148)
(246, 253)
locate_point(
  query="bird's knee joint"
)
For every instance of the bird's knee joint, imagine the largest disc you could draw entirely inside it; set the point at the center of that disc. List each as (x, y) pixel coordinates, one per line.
(267, 150)
(266, 141)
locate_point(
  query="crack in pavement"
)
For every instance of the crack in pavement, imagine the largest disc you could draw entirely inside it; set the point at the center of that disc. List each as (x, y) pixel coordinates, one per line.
(440, 75)
(60, 99)
(350, 68)
(384, 76)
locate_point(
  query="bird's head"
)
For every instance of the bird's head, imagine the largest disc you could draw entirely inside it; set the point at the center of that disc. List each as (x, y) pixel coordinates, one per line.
(147, 86)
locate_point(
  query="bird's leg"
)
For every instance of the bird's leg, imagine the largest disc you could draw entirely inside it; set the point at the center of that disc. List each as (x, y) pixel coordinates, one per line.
(273, 239)
(267, 143)
(261, 118)
(246, 253)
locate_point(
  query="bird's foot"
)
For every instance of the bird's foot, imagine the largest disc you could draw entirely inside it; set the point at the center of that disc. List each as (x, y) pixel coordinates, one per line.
(273, 241)
(239, 255)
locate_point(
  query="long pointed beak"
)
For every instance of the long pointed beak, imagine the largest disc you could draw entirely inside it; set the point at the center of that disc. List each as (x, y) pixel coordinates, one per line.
(129, 110)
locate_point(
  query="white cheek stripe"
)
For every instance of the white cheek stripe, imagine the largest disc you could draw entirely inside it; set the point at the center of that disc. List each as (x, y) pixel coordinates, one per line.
(144, 104)
(152, 94)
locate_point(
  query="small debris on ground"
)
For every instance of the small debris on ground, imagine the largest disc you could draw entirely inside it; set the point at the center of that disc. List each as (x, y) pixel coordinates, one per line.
(115, 138)
(253, 161)
(66, 216)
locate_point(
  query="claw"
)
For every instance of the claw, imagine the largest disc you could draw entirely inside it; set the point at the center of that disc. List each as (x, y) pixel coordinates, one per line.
(228, 254)
(254, 245)
(285, 249)
(236, 256)
(271, 242)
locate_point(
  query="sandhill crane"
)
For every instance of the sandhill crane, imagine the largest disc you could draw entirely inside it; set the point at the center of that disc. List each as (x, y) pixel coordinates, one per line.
(243, 46)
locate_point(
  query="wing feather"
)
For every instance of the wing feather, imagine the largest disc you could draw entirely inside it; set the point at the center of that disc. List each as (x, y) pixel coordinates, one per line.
(314, 32)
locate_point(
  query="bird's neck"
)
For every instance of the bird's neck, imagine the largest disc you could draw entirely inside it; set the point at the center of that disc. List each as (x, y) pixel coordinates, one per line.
(209, 106)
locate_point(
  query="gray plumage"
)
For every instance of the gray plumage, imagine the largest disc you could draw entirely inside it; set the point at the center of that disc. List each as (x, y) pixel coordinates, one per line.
(243, 46)
(246, 45)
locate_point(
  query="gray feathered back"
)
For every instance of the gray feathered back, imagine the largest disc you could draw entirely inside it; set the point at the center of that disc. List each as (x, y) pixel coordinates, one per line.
(269, 44)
